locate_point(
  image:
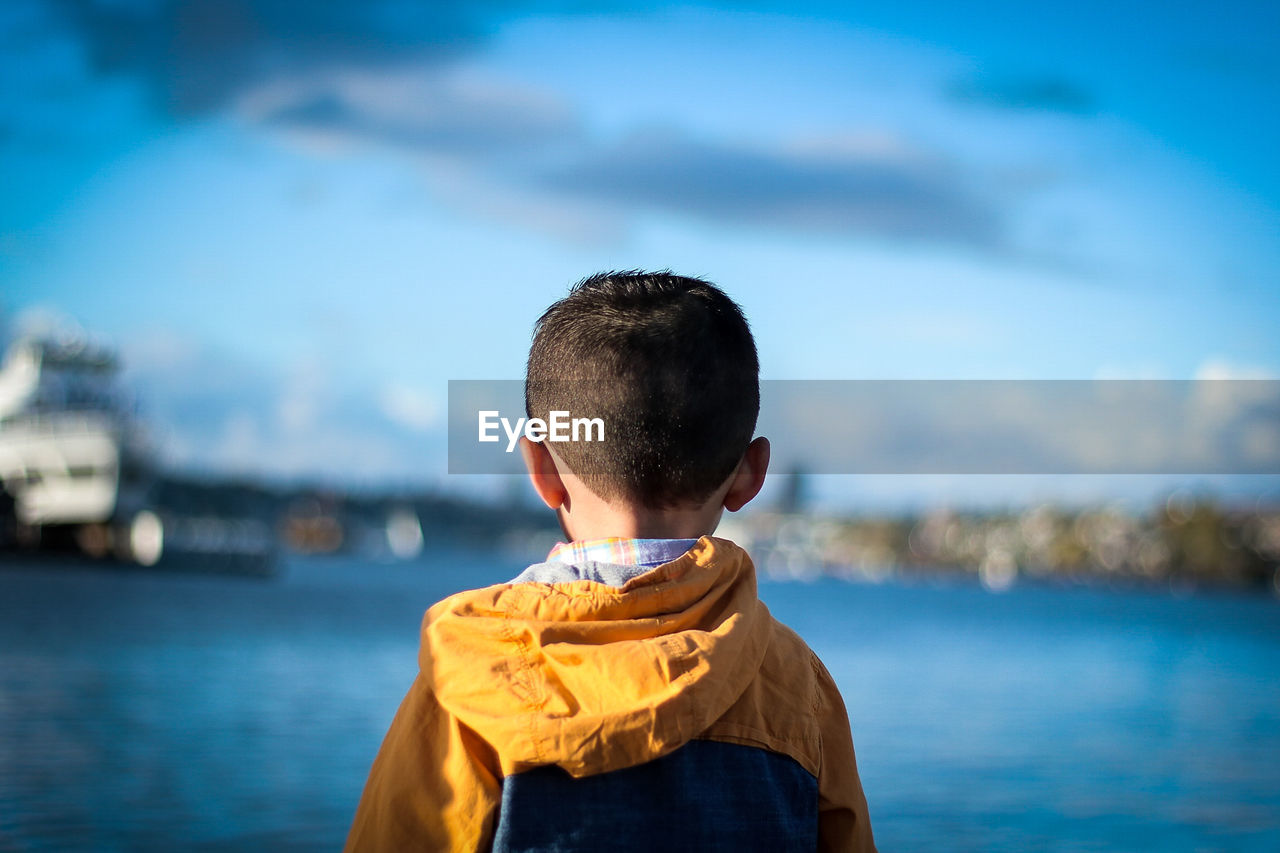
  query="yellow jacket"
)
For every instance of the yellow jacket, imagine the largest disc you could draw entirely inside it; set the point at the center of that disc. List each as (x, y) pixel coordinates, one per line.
(594, 678)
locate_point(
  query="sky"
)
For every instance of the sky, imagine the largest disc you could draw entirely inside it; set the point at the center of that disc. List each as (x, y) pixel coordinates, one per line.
(298, 221)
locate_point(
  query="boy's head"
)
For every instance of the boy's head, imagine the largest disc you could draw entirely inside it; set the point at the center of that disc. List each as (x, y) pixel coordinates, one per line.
(669, 364)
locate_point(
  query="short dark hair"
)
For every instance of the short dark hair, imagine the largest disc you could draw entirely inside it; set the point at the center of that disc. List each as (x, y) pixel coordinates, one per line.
(669, 364)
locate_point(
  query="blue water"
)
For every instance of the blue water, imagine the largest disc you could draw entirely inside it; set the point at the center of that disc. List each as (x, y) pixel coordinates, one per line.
(152, 711)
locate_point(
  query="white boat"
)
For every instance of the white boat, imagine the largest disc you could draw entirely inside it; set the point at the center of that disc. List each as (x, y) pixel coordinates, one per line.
(71, 454)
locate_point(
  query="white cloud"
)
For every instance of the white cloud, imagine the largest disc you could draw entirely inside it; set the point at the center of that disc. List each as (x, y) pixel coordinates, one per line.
(212, 412)
(1220, 368)
(408, 407)
(303, 397)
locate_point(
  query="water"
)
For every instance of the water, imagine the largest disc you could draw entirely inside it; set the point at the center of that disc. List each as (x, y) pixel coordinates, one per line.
(153, 711)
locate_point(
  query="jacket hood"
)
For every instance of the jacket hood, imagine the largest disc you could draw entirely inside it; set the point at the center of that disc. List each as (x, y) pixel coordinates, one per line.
(595, 678)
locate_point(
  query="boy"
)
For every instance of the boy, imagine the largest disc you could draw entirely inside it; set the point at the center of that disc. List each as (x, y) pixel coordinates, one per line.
(632, 692)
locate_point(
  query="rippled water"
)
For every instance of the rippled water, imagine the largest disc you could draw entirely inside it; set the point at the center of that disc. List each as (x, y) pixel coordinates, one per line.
(153, 711)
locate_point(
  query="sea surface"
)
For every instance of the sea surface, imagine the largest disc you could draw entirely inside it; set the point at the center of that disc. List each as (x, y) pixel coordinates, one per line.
(151, 711)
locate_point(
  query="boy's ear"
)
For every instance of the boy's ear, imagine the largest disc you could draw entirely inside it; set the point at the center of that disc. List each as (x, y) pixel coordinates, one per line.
(543, 472)
(749, 478)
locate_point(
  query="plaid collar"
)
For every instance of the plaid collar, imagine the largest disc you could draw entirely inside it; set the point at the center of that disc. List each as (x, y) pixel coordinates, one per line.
(620, 552)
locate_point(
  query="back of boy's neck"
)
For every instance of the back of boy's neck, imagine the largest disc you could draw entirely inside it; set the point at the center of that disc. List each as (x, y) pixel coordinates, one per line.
(641, 524)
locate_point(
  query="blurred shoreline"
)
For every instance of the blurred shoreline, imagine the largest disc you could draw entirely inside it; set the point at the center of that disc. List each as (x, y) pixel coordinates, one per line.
(1183, 543)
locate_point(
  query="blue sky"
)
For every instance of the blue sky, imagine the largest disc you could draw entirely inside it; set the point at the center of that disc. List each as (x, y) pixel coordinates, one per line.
(298, 221)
